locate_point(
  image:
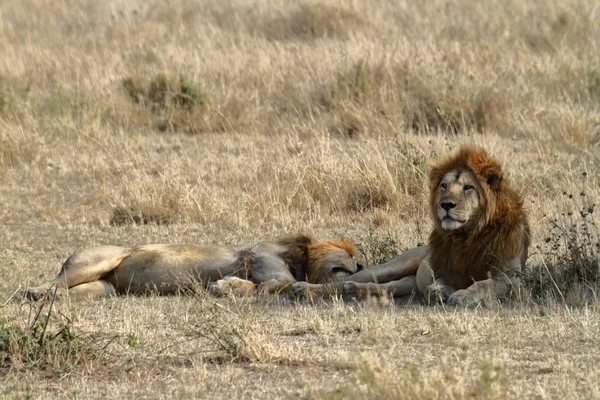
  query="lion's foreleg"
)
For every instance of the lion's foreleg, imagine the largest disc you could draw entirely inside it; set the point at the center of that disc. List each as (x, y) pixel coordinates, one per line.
(398, 288)
(271, 273)
(485, 291)
(274, 286)
(397, 268)
(317, 290)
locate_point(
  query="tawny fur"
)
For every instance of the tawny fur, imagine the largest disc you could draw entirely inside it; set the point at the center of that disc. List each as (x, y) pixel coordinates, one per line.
(173, 268)
(476, 250)
(500, 234)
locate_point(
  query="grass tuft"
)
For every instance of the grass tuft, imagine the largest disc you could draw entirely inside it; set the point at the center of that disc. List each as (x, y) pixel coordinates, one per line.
(50, 342)
(166, 205)
(395, 94)
(162, 93)
(570, 270)
(594, 84)
(230, 332)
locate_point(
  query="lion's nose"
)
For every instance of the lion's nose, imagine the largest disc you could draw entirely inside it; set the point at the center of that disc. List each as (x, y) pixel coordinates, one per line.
(448, 205)
(359, 267)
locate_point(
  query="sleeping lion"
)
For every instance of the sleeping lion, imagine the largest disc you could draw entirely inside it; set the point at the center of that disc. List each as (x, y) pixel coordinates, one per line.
(478, 245)
(165, 269)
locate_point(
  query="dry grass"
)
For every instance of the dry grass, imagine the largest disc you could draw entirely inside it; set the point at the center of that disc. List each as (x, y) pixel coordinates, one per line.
(224, 122)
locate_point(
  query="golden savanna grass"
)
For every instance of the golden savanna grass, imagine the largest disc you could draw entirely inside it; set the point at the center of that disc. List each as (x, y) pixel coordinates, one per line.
(132, 122)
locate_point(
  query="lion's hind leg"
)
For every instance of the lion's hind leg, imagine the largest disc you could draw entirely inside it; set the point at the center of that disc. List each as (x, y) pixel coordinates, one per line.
(89, 265)
(39, 292)
(99, 288)
(86, 266)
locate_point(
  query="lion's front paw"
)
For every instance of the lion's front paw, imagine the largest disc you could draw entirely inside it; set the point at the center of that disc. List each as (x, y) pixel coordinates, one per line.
(231, 286)
(358, 290)
(350, 290)
(463, 298)
(215, 290)
(435, 294)
(301, 289)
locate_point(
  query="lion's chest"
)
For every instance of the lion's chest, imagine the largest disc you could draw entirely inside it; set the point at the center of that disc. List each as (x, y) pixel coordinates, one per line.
(461, 261)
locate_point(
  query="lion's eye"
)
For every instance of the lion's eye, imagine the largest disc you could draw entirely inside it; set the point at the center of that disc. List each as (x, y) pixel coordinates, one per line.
(467, 188)
(444, 186)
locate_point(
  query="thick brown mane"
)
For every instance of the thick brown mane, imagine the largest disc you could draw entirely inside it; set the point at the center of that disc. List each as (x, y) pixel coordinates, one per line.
(501, 232)
(296, 256)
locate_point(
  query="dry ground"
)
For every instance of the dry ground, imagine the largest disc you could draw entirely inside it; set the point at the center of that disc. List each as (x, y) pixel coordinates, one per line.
(133, 122)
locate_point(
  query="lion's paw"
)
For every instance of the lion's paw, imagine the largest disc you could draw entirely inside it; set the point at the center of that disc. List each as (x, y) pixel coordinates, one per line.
(359, 290)
(231, 286)
(350, 290)
(36, 294)
(215, 289)
(301, 289)
(435, 294)
(463, 298)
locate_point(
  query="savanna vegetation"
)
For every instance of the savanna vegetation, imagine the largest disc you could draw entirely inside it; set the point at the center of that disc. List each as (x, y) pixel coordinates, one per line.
(135, 122)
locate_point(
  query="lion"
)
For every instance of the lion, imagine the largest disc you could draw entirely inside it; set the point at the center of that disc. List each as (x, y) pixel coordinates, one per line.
(166, 269)
(478, 246)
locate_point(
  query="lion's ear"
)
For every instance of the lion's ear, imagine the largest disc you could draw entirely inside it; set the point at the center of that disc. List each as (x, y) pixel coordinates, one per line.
(494, 180)
(435, 176)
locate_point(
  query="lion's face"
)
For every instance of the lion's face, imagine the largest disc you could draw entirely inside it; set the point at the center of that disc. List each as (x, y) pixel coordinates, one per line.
(332, 261)
(458, 200)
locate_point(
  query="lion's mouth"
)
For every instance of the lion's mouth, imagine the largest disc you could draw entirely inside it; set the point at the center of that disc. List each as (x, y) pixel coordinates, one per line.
(450, 218)
(449, 215)
(451, 224)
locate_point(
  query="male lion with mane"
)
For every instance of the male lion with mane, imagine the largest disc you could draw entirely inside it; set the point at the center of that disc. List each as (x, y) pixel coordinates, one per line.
(478, 245)
(269, 267)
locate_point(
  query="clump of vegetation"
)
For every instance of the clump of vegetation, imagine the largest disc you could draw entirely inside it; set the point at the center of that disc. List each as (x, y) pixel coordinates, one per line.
(594, 83)
(143, 215)
(3, 101)
(451, 109)
(159, 205)
(230, 333)
(378, 249)
(51, 342)
(6, 92)
(376, 379)
(370, 197)
(399, 95)
(359, 84)
(570, 270)
(177, 105)
(162, 93)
